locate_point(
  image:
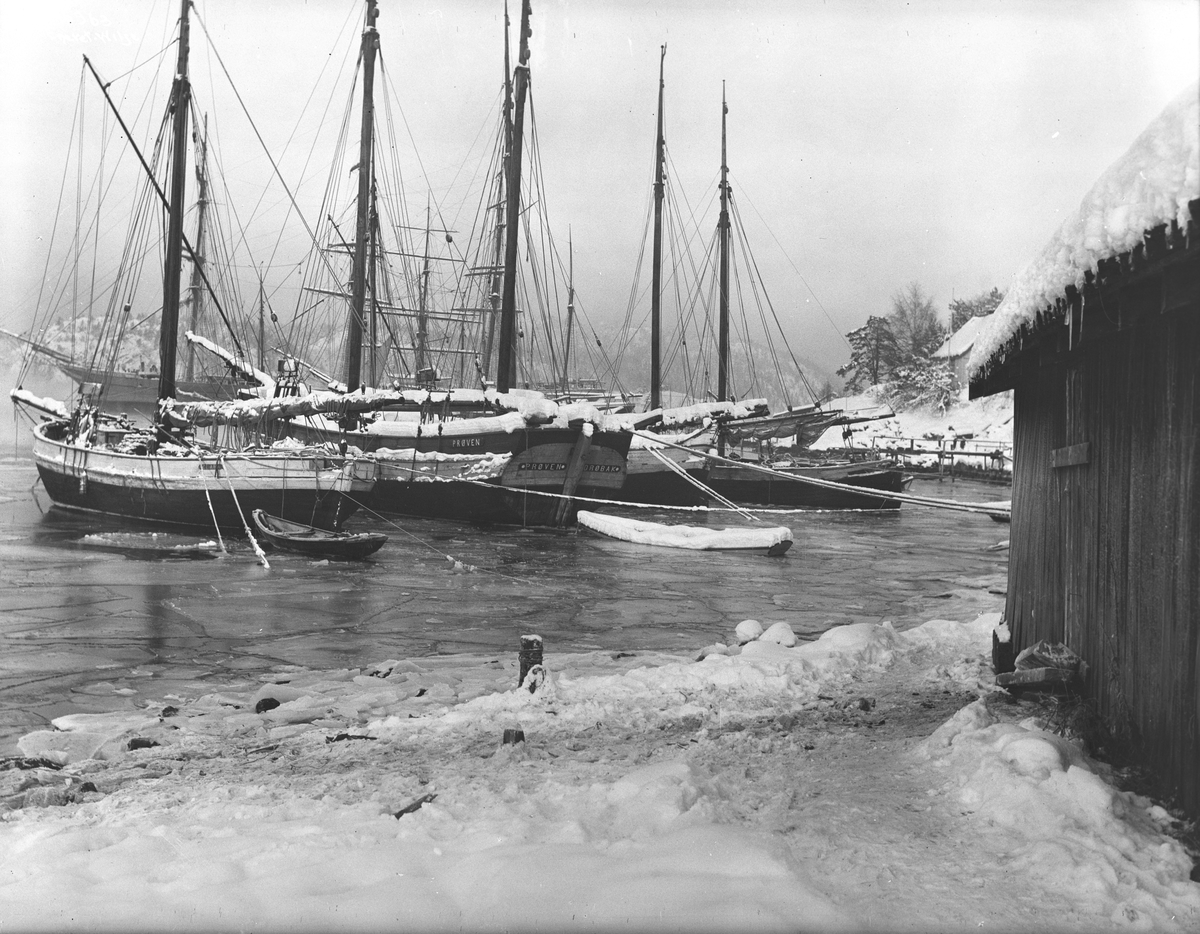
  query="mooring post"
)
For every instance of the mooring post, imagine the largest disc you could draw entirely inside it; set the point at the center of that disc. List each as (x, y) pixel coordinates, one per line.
(530, 655)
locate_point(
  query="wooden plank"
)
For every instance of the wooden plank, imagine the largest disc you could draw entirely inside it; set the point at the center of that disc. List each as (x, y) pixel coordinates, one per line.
(1071, 456)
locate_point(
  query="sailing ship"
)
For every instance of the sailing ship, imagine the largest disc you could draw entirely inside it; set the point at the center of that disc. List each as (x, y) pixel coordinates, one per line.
(493, 454)
(656, 473)
(90, 460)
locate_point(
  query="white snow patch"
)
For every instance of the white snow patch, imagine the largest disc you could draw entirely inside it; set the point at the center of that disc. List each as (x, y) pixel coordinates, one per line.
(282, 819)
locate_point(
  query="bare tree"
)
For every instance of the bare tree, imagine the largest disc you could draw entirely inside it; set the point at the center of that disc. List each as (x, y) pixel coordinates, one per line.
(915, 324)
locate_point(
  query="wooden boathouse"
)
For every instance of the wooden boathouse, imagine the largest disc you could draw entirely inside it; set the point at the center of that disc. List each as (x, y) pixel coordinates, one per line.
(1100, 342)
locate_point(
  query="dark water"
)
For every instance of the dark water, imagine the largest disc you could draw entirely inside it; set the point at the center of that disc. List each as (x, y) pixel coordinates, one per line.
(96, 617)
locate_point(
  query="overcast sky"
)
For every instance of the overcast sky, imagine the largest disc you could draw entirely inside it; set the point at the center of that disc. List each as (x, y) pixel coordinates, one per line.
(872, 144)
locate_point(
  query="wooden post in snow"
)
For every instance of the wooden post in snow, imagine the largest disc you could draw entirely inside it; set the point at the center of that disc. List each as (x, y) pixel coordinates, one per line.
(530, 655)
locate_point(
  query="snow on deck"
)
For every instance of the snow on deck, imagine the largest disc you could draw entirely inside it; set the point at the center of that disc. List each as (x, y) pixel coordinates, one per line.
(1150, 185)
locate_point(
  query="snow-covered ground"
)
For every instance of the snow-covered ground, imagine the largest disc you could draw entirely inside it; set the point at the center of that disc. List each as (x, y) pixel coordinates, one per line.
(981, 426)
(854, 782)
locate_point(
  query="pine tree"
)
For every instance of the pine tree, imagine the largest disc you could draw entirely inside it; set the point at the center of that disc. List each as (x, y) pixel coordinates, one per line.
(963, 310)
(873, 353)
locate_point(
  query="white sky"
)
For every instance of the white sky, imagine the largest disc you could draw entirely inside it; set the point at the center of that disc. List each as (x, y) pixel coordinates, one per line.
(882, 143)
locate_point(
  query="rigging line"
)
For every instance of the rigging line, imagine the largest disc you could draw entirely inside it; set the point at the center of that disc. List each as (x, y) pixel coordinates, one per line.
(258, 136)
(350, 17)
(159, 191)
(387, 77)
(300, 331)
(774, 314)
(800, 275)
(28, 354)
(163, 51)
(420, 541)
(96, 225)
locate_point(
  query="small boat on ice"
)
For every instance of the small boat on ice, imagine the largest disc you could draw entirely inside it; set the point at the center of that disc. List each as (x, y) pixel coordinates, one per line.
(774, 541)
(307, 540)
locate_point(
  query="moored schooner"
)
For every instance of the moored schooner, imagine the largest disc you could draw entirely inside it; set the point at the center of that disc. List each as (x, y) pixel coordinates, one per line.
(493, 454)
(93, 461)
(691, 461)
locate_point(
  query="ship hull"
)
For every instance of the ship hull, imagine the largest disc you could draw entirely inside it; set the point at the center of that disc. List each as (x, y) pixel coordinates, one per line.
(745, 485)
(202, 491)
(534, 483)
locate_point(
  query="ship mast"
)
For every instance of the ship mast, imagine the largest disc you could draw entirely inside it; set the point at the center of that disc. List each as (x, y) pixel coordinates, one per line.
(358, 286)
(723, 235)
(180, 97)
(497, 279)
(196, 289)
(566, 379)
(422, 307)
(656, 268)
(508, 307)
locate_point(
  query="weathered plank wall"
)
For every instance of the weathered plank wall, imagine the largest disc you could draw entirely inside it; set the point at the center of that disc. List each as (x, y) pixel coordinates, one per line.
(1105, 551)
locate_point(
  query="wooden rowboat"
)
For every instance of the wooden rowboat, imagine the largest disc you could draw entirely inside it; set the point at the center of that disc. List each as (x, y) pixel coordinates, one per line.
(307, 540)
(774, 541)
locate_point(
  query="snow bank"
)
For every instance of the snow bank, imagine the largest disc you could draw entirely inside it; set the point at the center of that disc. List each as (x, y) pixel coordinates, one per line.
(1150, 185)
(385, 797)
(1064, 823)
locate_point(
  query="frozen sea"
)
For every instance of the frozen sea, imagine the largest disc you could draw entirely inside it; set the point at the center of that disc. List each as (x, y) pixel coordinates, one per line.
(95, 615)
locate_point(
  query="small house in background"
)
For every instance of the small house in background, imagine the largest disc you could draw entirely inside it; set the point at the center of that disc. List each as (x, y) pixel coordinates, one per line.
(1099, 339)
(956, 350)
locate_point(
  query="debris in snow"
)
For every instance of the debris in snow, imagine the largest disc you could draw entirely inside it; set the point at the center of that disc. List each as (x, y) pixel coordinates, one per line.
(342, 737)
(1044, 654)
(414, 806)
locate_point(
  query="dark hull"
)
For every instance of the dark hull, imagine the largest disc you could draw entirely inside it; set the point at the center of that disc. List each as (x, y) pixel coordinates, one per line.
(665, 488)
(649, 480)
(318, 543)
(525, 490)
(744, 485)
(140, 389)
(179, 490)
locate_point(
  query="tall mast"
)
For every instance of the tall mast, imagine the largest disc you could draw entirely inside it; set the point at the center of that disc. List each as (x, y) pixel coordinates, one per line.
(422, 309)
(372, 271)
(566, 379)
(508, 306)
(723, 234)
(262, 325)
(656, 269)
(497, 280)
(358, 285)
(169, 334)
(196, 288)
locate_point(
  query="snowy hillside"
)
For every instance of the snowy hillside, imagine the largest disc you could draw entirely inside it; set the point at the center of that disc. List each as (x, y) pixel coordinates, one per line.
(984, 420)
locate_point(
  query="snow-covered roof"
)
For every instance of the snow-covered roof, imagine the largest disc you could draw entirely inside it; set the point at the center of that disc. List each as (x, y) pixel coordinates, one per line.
(1150, 185)
(962, 340)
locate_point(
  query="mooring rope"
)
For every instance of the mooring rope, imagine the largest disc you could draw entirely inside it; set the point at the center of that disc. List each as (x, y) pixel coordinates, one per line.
(449, 557)
(708, 491)
(831, 484)
(250, 535)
